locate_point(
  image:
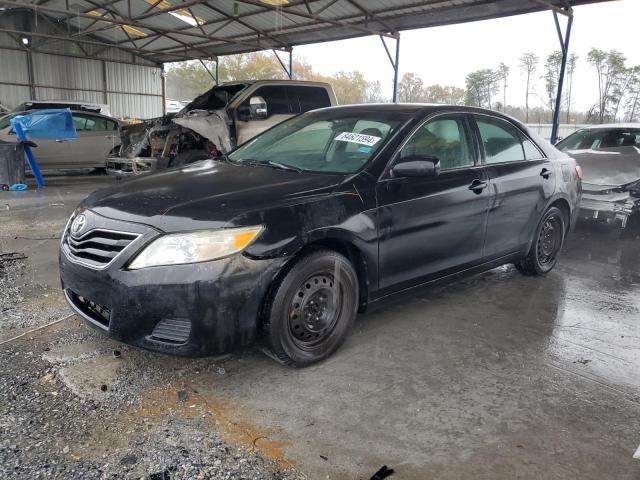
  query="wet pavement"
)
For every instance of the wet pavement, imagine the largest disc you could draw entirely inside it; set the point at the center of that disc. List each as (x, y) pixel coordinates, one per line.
(493, 376)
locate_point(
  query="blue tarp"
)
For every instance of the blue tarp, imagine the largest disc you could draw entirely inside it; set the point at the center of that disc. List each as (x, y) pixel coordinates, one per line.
(52, 124)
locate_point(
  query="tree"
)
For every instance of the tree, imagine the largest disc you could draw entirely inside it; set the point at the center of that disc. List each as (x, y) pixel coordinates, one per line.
(446, 94)
(502, 74)
(481, 86)
(633, 102)
(373, 93)
(529, 65)
(610, 67)
(186, 80)
(551, 77)
(572, 63)
(411, 88)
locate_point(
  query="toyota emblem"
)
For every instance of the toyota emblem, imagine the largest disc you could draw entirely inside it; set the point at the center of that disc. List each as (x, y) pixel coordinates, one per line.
(78, 224)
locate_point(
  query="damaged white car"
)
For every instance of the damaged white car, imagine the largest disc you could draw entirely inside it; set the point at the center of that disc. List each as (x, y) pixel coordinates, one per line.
(214, 123)
(610, 159)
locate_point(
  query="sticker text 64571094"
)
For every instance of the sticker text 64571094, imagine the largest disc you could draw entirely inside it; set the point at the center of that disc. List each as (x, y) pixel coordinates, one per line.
(358, 138)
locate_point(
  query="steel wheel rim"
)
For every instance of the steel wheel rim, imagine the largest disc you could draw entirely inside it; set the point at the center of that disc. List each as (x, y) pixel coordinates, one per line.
(549, 240)
(314, 311)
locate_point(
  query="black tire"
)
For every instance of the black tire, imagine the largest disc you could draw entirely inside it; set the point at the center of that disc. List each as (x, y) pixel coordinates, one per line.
(546, 245)
(190, 156)
(310, 311)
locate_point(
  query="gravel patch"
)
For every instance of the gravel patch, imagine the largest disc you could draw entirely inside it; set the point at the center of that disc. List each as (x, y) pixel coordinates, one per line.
(76, 404)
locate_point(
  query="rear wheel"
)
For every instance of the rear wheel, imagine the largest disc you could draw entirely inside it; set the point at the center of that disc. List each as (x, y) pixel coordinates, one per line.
(311, 310)
(546, 246)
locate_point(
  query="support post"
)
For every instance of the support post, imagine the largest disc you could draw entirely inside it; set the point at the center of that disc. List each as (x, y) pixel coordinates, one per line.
(288, 71)
(105, 97)
(394, 64)
(31, 75)
(217, 71)
(291, 64)
(564, 45)
(163, 78)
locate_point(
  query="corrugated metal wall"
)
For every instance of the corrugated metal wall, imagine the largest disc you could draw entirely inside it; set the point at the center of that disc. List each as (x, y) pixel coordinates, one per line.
(131, 90)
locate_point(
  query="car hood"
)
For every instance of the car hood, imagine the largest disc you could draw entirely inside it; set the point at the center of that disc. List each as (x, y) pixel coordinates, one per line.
(611, 167)
(206, 194)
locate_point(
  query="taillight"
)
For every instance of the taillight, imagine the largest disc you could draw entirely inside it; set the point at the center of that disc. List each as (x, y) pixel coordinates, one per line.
(579, 172)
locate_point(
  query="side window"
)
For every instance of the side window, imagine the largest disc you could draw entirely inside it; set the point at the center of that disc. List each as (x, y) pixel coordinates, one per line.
(96, 124)
(111, 125)
(277, 100)
(531, 152)
(79, 122)
(444, 138)
(500, 140)
(312, 98)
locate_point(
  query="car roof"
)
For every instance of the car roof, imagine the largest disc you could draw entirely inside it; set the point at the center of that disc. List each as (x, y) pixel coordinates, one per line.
(69, 102)
(413, 108)
(282, 81)
(611, 125)
(82, 112)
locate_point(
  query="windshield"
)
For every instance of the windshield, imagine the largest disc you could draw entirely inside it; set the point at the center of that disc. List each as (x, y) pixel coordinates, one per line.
(601, 139)
(326, 141)
(216, 98)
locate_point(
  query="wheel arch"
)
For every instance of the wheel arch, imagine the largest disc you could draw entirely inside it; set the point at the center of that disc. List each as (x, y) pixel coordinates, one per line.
(338, 241)
(564, 206)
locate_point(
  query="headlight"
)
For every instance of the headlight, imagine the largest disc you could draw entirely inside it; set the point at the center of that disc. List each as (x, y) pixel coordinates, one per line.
(193, 247)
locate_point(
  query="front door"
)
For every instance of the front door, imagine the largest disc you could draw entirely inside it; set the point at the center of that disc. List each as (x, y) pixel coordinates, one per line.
(97, 136)
(429, 227)
(522, 181)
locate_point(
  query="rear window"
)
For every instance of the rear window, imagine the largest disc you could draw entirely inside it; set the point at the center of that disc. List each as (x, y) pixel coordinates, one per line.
(601, 139)
(312, 98)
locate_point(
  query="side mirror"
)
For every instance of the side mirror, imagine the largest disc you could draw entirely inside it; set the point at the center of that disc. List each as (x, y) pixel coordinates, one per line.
(258, 108)
(417, 166)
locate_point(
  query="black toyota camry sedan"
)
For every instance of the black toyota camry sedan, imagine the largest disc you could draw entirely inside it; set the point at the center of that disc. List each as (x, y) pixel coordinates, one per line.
(286, 238)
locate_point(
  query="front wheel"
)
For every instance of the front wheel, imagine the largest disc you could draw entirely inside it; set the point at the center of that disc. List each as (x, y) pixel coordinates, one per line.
(311, 310)
(546, 245)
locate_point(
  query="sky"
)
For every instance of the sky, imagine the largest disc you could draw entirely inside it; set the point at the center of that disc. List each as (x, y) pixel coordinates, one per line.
(445, 55)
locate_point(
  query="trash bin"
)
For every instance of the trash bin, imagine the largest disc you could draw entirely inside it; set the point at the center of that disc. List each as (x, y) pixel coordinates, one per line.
(11, 163)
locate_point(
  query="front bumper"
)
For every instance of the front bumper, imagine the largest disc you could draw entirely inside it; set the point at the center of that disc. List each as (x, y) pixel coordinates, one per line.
(129, 167)
(200, 309)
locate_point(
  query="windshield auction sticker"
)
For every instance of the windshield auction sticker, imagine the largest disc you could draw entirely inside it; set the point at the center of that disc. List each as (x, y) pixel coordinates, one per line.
(360, 139)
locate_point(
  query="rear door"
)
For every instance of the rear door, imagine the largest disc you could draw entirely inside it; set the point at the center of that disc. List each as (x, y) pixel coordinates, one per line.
(97, 136)
(433, 226)
(521, 181)
(50, 154)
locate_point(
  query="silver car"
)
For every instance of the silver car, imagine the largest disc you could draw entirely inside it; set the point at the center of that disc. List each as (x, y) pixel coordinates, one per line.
(610, 159)
(98, 136)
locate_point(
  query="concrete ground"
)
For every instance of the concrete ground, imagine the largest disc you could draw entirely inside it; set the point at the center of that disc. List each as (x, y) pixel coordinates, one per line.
(494, 376)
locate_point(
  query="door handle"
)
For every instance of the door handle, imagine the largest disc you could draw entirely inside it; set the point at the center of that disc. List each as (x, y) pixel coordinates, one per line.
(477, 186)
(60, 140)
(546, 173)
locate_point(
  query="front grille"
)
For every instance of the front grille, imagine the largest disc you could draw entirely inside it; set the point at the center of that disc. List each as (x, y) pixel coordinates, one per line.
(172, 330)
(97, 248)
(98, 313)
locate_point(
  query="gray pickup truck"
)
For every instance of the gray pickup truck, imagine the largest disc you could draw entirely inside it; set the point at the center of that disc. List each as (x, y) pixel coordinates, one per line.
(214, 123)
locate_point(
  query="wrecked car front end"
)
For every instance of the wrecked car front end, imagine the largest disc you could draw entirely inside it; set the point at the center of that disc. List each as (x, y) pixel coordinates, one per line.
(202, 129)
(613, 205)
(609, 156)
(146, 146)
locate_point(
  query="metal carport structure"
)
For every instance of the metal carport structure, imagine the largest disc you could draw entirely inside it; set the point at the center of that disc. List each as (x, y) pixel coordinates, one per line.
(161, 31)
